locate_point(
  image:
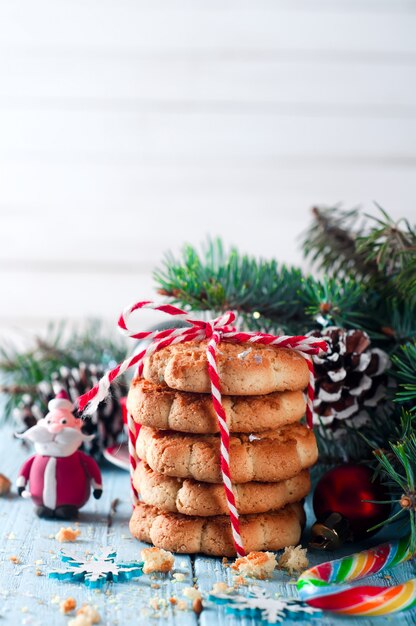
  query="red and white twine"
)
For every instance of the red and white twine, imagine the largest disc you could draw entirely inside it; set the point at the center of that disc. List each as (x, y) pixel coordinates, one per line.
(216, 330)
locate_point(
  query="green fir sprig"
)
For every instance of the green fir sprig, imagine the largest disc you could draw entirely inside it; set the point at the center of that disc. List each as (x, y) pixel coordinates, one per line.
(404, 363)
(374, 249)
(216, 280)
(331, 242)
(338, 301)
(390, 245)
(396, 467)
(278, 298)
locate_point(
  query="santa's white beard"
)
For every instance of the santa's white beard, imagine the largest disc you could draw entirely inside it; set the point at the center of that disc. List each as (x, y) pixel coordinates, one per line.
(64, 443)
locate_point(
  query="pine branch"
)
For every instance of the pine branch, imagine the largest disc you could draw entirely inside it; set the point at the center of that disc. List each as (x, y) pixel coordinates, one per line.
(391, 245)
(405, 372)
(342, 302)
(397, 320)
(370, 250)
(386, 244)
(397, 468)
(280, 299)
(331, 242)
(267, 294)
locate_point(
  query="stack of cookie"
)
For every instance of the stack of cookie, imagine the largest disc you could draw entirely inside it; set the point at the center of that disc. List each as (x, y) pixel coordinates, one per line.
(183, 507)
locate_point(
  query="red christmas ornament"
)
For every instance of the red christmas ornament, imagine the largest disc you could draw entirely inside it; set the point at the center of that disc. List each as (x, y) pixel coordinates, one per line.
(341, 509)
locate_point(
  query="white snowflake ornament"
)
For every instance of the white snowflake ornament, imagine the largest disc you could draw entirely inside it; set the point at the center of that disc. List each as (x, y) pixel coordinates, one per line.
(97, 570)
(258, 605)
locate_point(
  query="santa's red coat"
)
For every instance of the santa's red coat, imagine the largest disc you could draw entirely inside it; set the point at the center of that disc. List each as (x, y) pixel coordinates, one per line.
(56, 481)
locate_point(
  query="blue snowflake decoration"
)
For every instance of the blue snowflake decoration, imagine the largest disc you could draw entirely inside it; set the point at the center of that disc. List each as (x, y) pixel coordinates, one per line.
(259, 606)
(97, 570)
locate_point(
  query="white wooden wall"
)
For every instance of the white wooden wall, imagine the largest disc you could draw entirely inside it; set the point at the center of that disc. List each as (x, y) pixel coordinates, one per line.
(129, 127)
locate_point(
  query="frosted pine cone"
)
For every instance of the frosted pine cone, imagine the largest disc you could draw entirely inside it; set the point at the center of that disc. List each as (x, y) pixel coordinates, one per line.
(349, 377)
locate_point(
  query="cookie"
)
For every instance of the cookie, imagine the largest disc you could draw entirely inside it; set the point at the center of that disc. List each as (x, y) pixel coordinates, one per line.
(244, 369)
(167, 409)
(190, 497)
(266, 457)
(212, 535)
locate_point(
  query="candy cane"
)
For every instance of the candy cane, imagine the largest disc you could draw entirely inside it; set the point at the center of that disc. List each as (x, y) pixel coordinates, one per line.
(216, 330)
(318, 585)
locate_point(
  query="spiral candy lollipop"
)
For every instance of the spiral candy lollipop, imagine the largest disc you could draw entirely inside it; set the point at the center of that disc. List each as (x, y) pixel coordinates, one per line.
(320, 586)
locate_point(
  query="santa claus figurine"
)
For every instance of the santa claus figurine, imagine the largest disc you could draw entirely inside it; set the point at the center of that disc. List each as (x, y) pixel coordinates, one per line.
(59, 475)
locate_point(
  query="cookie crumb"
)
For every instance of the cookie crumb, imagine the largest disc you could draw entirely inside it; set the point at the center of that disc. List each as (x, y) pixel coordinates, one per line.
(90, 613)
(154, 603)
(294, 559)
(220, 588)
(155, 586)
(173, 600)
(157, 560)
(14, 559)
(259, 565)
(197, 606)
(192, 593)
(68, 534)
(179, 577)
(182, 605)
(5, 485)
(68, 605)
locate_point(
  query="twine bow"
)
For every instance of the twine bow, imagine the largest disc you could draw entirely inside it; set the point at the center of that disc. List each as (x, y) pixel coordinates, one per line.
(216, 330)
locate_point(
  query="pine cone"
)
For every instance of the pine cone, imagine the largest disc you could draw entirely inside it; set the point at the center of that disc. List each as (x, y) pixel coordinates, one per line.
(106, 423)
(349, 377)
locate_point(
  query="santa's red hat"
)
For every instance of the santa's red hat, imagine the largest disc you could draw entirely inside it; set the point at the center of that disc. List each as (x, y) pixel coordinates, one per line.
(61, 401)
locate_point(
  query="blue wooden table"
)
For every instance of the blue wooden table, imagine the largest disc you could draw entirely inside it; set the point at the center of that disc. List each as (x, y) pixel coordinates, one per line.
(28, 596)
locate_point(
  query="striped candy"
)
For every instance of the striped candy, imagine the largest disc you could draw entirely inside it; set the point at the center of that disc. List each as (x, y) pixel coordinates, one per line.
(318, 585)
(216, 330)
